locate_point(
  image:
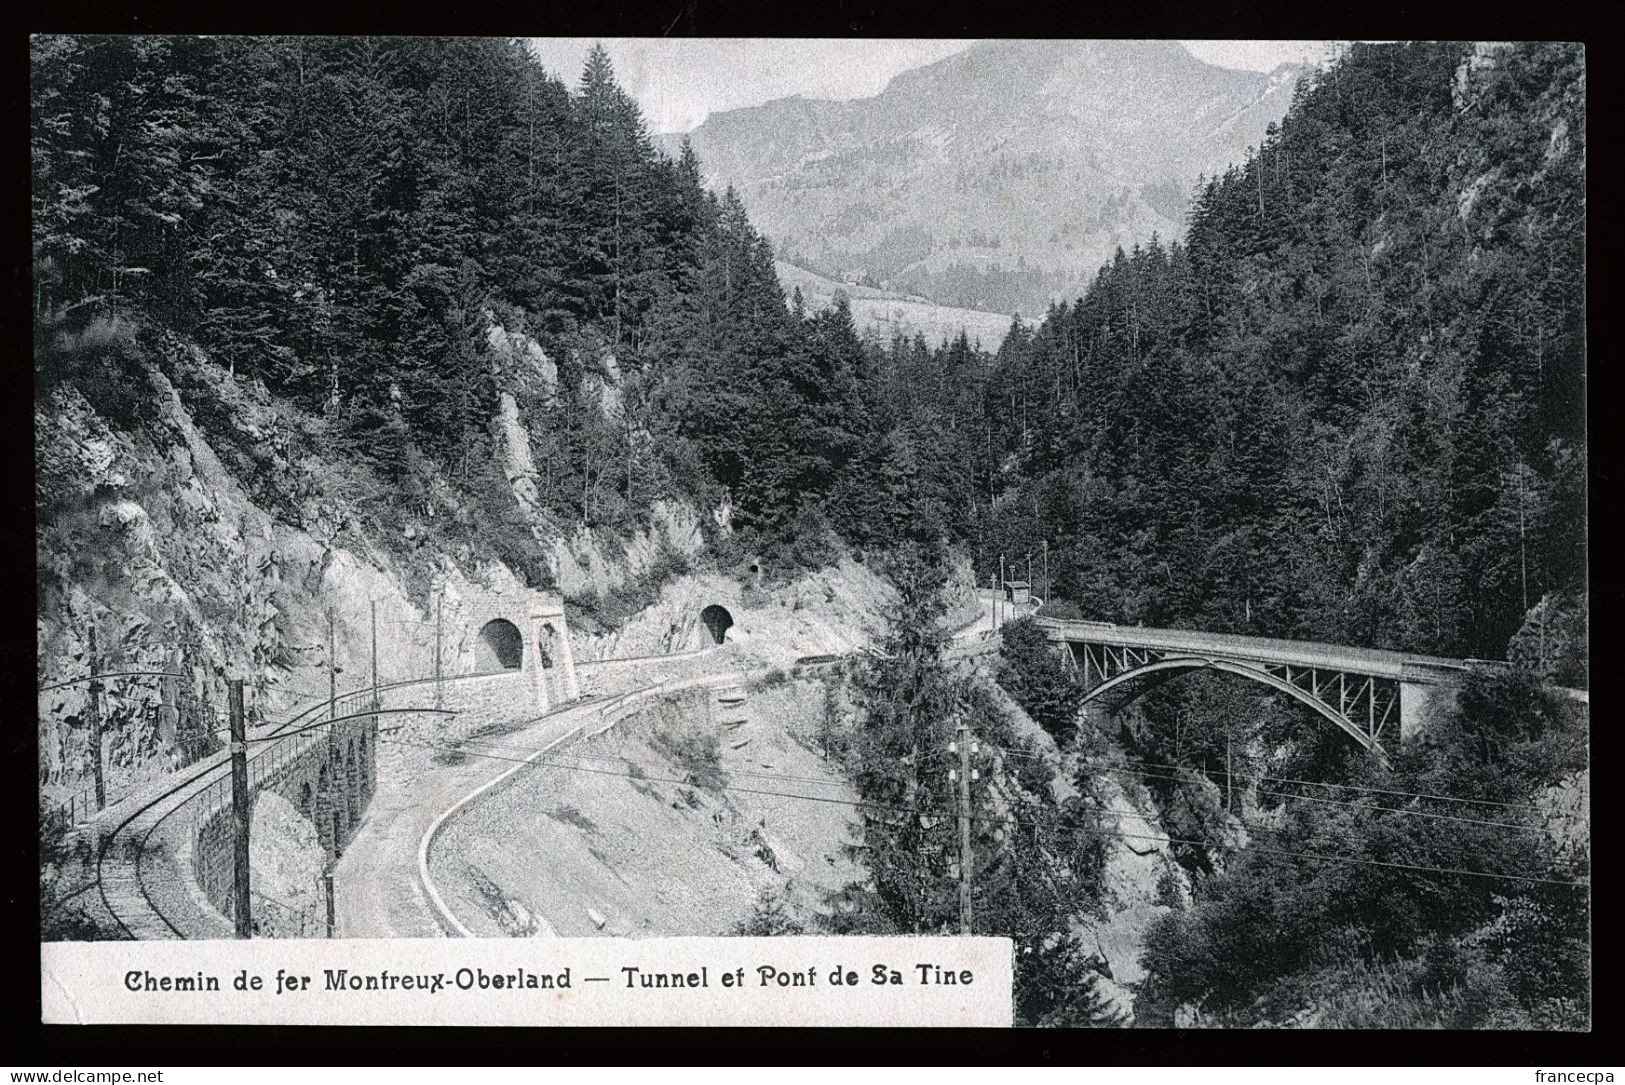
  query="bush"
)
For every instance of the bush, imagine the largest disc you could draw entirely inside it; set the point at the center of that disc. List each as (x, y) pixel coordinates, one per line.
(804, 543)
(1275, 932)
(1062, 609)
(771, 918)
(1553, 641)
(1032, 672)
(700, 757)
(105, 360)
(609, 610)
(833, 739)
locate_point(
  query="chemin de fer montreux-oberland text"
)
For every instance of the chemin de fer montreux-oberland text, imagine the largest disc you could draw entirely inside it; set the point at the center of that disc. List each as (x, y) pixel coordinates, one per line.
(468, 979)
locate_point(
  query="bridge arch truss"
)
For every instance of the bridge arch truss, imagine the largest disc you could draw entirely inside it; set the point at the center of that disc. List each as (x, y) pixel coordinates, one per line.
(1365, 706)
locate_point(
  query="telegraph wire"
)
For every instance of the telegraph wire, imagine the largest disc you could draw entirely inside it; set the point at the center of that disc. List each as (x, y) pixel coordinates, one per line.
(111, 674)
(917, 811)
(1040, 756)
(824, 782)
(1175, 779)
(1400, 811)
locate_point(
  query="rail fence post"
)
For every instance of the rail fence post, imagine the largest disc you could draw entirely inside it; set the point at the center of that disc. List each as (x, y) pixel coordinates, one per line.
(96, 720)
(241, 806)
(327, 887)
(332, 671)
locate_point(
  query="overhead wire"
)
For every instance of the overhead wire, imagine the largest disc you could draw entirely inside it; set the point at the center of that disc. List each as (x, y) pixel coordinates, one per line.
(986, 819)
(1427, 814)
(1398, 811)
(1039, 755)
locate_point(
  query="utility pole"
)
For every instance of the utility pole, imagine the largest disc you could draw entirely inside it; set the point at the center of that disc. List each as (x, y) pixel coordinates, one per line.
(96, 720)
(1001, 590)
(964, 747)
(1229, 782)
(240, 806)
(1046, 572)
(439, 682)
(327, 884)
(375, 653)
(1523, 552)
(332, 714)
(1029, 574)
(332, 672)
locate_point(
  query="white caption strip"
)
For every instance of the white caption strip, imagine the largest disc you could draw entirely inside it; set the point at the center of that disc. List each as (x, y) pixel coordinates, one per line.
(554, 981)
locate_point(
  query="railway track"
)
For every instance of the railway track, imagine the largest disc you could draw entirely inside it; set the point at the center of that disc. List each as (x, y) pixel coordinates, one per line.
(119, 872)
(123, 838)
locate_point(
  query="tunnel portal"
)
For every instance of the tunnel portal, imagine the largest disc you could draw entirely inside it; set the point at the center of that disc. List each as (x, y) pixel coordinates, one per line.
(501, 648)
(717, 622)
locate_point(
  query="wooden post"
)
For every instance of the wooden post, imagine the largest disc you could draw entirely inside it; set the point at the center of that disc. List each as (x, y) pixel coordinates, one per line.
(1523, 552)
(96, 721)
(1229, 784)
(439, 681)
(1001, 590)
(240, 808)
(1046, 572)
(375, 653)
(964, 829)
(332, 672)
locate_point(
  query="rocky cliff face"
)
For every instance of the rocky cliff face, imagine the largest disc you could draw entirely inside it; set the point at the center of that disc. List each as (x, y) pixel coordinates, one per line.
(213, 532)
(220, 552)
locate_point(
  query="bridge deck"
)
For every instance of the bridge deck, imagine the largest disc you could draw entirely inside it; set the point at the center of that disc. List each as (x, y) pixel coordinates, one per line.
(1376, 662)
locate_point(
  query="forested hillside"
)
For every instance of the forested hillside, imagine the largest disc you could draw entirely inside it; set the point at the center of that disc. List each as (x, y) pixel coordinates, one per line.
(1350, 407)
(345, 220)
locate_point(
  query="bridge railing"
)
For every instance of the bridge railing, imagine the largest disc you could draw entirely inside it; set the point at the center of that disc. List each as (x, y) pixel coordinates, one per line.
(1378, 662)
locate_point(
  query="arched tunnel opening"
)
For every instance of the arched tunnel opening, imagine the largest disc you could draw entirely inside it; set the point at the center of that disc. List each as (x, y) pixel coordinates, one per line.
(501, 648)
(717, 622)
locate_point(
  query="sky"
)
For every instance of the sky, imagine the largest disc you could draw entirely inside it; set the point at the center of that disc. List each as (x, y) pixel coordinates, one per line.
(678, 81)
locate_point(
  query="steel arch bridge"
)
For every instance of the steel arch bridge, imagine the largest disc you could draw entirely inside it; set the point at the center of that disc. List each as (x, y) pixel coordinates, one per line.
(1373, 695)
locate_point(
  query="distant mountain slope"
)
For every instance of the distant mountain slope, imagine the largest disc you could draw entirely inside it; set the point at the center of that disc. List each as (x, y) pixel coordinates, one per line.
(998, 177)
(880, 314)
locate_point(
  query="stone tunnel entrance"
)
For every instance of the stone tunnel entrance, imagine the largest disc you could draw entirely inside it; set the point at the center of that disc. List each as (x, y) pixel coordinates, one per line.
(717, 622)
(522, 631)
(501, 648)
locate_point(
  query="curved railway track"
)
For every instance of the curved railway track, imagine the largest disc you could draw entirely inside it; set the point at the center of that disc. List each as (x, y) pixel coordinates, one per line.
(131, 837)
(117, 838)
(604, 714)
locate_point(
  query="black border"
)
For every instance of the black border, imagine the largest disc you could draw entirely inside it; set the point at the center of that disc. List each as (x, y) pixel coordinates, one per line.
(56, 1046)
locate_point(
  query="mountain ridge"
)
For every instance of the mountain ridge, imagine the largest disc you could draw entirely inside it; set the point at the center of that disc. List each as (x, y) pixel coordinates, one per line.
(998, 178)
